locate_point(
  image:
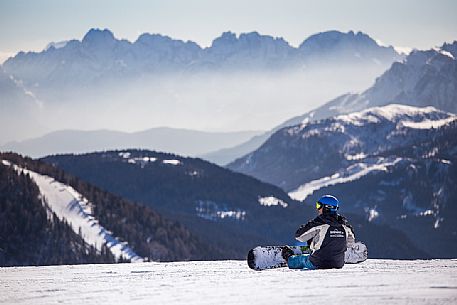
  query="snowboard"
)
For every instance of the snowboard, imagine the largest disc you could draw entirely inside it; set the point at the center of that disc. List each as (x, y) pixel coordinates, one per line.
(269, 257)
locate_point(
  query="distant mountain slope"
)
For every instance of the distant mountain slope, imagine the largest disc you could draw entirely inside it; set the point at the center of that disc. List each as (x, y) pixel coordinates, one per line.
(182, 141)
(392, 165)
(149, 234)
(224, 156)
(232, 211)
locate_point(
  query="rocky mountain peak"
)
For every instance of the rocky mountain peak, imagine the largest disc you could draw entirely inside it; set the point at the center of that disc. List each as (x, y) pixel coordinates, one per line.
(97, 36)
(451, 48)
(331, 39)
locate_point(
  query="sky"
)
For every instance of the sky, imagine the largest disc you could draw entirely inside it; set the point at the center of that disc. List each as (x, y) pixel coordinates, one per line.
(31, 25)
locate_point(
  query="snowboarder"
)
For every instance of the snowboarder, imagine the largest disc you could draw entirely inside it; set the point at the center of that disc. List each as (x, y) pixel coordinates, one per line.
(328, 236)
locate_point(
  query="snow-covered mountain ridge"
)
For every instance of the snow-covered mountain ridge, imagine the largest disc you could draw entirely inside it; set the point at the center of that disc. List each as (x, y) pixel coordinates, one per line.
(99, 58)
(414, 117)
(246, 50)
(341, 141)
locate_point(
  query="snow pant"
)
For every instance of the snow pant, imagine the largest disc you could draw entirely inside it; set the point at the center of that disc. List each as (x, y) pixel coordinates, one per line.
(300, 262)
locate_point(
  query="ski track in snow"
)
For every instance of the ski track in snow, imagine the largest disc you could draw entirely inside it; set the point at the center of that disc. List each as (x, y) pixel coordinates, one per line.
(354, 172)
(232, 282)
(68, 204)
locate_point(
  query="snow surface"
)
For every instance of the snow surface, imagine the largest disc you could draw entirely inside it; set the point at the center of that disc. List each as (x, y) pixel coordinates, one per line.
(232, 282)
(272, 201)
(171, 162)
(353, 172)
(428, 124)
(68, 204)
(144, 160)
(214, 211)
(390, 112)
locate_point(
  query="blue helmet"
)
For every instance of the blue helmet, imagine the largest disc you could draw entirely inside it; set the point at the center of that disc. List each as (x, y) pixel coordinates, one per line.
(329, 203)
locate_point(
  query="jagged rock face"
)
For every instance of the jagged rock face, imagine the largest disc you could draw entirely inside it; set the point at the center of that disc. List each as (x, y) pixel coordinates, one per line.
(250, 50)
(355, 45)
(425, 78)
(101, 57)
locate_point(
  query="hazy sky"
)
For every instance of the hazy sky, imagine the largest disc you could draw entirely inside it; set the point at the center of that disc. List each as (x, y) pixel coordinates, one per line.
(30, 25)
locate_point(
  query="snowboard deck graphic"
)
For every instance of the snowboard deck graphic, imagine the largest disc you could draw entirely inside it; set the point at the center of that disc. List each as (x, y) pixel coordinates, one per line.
(269, 257)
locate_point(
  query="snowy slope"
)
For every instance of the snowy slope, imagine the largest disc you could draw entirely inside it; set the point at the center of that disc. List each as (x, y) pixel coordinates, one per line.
(71, 206)
(353, 172)
(232, 282)
(403, 120)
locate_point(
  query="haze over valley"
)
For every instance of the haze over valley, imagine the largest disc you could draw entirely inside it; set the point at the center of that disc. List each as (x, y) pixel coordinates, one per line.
(246, 81)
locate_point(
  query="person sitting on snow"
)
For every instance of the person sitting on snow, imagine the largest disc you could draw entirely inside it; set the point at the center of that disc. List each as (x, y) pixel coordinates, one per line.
(328, 236)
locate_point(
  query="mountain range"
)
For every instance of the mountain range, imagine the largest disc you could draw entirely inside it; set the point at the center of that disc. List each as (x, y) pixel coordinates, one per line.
(100, 56)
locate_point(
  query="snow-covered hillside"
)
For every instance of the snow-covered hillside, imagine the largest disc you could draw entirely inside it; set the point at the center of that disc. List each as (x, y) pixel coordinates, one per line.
(71, 206)
(232, 282)
(341, 146)
(379, 129)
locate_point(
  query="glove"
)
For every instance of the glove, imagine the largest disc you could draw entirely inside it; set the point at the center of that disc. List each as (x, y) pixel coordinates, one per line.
(287, 252)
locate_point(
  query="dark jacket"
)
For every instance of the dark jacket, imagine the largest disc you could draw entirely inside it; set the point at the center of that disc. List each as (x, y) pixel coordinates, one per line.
(328, 237)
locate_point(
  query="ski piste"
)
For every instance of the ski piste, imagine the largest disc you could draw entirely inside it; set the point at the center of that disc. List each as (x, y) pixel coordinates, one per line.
(269, 257)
